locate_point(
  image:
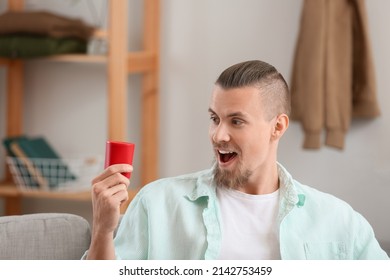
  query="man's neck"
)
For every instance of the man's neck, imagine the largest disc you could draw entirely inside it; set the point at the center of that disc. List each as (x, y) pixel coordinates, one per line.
(264, 180)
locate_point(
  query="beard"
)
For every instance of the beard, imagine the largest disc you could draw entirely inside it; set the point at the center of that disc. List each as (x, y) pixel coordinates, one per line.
(231, 179)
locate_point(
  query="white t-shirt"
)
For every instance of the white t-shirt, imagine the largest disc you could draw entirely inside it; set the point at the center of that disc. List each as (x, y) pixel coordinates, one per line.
(249, 225)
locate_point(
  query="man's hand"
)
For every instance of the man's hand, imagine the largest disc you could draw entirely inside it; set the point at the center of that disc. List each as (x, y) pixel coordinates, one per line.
(109, 191)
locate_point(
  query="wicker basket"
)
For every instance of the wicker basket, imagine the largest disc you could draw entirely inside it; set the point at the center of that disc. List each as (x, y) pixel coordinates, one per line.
(66, 174)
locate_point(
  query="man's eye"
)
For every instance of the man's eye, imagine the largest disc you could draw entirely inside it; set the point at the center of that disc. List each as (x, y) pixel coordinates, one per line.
(214, 119)
(237, 122)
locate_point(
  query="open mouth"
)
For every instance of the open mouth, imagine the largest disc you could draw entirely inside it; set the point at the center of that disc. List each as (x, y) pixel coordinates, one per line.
(226, 156)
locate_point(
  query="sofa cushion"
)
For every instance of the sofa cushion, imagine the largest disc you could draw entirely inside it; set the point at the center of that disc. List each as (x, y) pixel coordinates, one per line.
(43, 237)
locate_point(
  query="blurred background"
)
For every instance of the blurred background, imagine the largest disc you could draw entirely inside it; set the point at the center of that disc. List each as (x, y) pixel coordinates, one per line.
(67, 102)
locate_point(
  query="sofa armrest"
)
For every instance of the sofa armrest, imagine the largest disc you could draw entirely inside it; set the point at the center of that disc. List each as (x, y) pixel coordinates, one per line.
(43, 237)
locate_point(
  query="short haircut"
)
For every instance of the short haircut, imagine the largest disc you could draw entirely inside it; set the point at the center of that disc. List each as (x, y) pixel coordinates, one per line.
(271, 84)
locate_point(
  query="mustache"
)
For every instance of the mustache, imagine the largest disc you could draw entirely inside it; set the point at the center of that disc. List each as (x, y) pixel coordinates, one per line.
(226, 146)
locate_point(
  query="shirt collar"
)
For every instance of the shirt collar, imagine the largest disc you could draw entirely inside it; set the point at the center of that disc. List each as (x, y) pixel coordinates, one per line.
(289, 197)
(204, 186)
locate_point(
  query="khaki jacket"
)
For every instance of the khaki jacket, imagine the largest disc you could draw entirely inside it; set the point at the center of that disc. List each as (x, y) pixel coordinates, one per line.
(333, 76)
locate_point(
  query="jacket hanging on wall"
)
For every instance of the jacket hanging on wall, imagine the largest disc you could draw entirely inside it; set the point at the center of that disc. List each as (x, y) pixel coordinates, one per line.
(333, 75)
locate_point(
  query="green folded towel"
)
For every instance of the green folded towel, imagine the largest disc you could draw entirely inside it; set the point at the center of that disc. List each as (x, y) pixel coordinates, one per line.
(29, 46)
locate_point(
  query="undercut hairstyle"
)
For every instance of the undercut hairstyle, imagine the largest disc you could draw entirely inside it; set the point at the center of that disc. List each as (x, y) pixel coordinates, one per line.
(271, 84)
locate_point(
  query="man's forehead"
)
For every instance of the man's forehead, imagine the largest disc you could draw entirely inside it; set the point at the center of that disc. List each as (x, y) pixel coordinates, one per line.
(242, 102)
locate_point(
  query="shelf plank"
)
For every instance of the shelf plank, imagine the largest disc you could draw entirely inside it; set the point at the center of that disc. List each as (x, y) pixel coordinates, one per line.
(13, 196)
(10, 190)
(137, 62)
(78, 58)
(3, 61)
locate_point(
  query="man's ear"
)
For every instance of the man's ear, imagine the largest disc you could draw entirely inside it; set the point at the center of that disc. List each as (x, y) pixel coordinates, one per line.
(280, 126)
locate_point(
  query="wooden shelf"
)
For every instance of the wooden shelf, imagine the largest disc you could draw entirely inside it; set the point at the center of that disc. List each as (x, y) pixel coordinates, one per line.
(137, 62)
(120, 63)
(76, 58)
(9, 191)
(13, 197)
(3, 61)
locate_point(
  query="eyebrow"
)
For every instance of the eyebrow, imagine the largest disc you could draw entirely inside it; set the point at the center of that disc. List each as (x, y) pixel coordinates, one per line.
(230, 115)
(211, 111)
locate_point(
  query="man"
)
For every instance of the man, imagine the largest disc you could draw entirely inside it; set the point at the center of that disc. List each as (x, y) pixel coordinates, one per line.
(246, 207)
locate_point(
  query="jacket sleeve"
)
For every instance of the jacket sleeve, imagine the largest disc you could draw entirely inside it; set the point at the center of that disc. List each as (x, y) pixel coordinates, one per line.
(307, 91)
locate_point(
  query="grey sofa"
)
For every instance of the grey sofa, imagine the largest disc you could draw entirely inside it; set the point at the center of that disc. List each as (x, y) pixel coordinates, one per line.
(50, 236)
(43, 237)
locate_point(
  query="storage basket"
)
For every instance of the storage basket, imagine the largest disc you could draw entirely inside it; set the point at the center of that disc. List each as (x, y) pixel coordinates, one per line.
(65, 174)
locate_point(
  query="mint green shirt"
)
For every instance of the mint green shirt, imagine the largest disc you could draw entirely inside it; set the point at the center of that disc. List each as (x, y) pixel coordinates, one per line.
(179, 218)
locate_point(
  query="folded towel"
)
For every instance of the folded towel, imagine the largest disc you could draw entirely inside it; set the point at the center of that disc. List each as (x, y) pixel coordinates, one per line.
(45, 24)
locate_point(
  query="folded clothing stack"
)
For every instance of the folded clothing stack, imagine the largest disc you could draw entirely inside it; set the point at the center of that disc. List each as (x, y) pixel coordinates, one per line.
(30, 34)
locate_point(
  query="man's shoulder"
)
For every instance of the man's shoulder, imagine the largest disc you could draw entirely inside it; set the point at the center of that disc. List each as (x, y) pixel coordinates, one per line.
(310, 196)
(320, 199)
(180, 184)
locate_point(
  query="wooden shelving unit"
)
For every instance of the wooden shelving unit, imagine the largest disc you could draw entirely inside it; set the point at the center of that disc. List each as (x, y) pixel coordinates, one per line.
(120, 63)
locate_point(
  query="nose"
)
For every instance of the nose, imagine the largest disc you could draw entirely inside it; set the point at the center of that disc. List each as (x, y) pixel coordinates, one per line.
(220, 133)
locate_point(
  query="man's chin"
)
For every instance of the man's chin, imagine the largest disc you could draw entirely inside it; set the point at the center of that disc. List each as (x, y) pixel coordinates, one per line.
(230, 177)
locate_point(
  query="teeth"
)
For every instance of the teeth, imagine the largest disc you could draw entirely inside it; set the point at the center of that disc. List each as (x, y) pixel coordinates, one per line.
(225, 152)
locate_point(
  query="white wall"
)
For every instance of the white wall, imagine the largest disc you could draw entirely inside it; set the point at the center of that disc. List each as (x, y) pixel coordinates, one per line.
(199, 38)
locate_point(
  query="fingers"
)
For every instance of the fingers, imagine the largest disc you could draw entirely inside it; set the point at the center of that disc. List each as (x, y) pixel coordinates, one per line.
(110, 187)
(113, 196)
(109, 191)
(106, 203)
(109, 171)
(112, 180)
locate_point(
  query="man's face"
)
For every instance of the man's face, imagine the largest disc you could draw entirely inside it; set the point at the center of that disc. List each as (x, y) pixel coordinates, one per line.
(240, 134)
